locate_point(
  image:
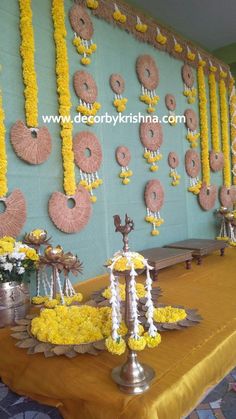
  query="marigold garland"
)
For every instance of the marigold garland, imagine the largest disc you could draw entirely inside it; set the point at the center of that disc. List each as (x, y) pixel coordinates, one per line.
(233, 125)
(62, 71)
(224, 119)
(203, 123)
(3, 154)
(215, 138)
(27, 50)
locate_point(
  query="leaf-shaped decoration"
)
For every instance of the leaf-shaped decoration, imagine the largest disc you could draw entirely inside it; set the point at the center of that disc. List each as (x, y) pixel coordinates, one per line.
(27, 343)
(82, 349)
(71, 354)
(42, 347)
(22, 322)
(100, 345)
(61, 349)
(93, 351)
(19, 328)
(20, 335)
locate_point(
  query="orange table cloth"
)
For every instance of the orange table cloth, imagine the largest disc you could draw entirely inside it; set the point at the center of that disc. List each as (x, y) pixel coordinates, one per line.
(187, 362)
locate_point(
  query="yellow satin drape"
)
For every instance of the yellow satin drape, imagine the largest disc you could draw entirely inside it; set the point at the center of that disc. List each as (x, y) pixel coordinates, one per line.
(187, 362)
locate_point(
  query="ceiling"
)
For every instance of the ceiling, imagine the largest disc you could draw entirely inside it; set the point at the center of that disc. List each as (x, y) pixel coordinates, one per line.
(210, 23)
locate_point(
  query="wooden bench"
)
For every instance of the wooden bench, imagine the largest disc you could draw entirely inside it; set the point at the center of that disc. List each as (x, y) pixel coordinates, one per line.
(160, 258)
(199, 247)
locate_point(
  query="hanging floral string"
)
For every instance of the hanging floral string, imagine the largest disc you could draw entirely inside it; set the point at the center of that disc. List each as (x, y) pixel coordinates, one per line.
(215, 138)
(27, 50)
(118, 16)
(141, 27)
(3, 154)
(232, 101)
(62, 71)
(224, 119)
(203, 122)
(160, 38)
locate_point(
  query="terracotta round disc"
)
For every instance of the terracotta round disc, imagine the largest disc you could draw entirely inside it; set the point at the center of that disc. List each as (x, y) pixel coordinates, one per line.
(187, 75)
(117, 83)
(87, 142)
(154, 195)
(192, 163)
(226, 197)
(191, 119)
(85, 86)
(80, 22)
(173, 160)
(123, 156)
(207, 196)
(170, 102)
(13, 218)
(147, 72)
(70, 220)
(216, 161)
(151, 135)
(33, 145)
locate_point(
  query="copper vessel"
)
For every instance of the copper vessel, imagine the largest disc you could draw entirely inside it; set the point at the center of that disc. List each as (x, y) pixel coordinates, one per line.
(14, 302)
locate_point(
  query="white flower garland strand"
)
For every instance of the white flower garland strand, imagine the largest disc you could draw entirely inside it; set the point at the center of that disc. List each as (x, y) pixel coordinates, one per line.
(152, 330)
(115, 304)
(134, 304)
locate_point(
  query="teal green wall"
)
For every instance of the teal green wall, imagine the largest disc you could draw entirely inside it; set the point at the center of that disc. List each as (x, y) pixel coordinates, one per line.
(117, 52)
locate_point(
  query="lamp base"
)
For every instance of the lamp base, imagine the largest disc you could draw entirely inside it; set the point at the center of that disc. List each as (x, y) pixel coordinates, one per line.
(133, 377)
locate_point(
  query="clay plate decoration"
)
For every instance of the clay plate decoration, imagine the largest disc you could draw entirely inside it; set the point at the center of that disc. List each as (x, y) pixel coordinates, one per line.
(87, 142)
(30, 142)
(207, 196)
(191, 122)
(148, 75)
(216, 160)
(123, 157)
(151, 136)
(86, 89)
(154, 200)
(173, 162)
(170, 102)
(26, 340)
(226, 196)
(83, 32)
(190, 91)
(117, 85)
(192, 167)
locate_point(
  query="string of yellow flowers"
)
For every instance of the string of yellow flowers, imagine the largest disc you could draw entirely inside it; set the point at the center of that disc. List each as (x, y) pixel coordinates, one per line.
(3, 154)
(232, 108)
(27, 50)
(224, 119)
(62, 71)
(203, 123)
(215, 138)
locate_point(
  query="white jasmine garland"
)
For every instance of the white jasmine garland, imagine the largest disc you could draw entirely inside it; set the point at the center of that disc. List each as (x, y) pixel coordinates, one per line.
(8, 266)
(152, 331)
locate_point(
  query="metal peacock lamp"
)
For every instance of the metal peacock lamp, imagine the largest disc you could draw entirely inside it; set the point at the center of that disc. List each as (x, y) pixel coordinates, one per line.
(132, 377)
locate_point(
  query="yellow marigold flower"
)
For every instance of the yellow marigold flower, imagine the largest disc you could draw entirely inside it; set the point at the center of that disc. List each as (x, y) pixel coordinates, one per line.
(161, 39)
(169, 314)
(152, 341)
(92, 4)
(85, 61)
(155, 232)
(93, 47)
(38, 300)
(191, 56)
(137, 344)
(115, 347)
(178, 48)
(8, 239)
(153, 168)
(32, 254)
(51, 303)
(93, 199)
(126, 181)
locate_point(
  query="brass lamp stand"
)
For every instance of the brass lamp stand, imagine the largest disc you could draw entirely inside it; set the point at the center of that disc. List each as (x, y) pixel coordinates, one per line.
(131, 377)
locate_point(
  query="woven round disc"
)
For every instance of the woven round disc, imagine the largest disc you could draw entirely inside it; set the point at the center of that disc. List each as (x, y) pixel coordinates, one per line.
(70, 220)
(147, 72)
(83, 142)
(226, 197)
(151, 135)
(187, 75)
(13, 218)
(216, 161)
(170, 102)
(33, 145)
(80, 22)
(207, 196)
(123, 156)
(191, 119)
(154, 195)
(117, 83)
(192, 163)
(85, 86)
(173, 160)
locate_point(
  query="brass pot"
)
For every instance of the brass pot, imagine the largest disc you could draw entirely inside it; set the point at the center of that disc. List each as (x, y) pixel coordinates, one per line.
(14, 302)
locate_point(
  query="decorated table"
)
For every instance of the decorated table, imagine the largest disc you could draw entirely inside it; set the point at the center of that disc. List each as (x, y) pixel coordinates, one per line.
(187, 363)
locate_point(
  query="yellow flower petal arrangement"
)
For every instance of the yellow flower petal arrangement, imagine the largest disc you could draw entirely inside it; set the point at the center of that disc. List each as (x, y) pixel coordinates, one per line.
(62, 70)
(203, 123)
(92, 4)
(27, 50)
(160, 38)
(84, 48)
(120, 104)
(149, 99)
(141, 27)
(51, 303)
(118, 16)
(152, 157)
(215, 138)
(169, 314)
(233, 126)
(140, 290)
(3, 154)
(224, 119)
